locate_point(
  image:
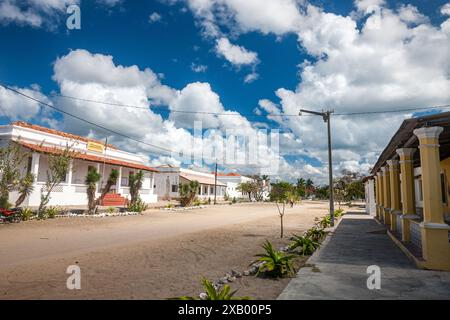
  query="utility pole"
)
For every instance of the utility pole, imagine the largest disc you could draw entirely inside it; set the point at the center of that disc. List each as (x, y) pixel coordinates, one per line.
(215, 185)
(327, 118)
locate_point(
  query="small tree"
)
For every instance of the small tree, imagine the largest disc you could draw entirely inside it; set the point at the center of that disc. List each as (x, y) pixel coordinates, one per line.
(301, 187)
(135, 183)
(58, 165)
(248, 188)
(279, 194)
(292, 197)
(25, 188)
(92, 178)
(188, 192)
(112, 180)
(11, 162)
(309, 187)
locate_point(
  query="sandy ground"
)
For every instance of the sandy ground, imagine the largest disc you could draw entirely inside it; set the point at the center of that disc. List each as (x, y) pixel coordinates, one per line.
(158, 255)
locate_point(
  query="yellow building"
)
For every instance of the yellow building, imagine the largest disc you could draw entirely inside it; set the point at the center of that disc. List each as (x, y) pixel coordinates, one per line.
(412, 189)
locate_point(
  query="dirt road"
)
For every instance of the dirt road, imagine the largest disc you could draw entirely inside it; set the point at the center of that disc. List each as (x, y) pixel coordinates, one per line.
(157, 255)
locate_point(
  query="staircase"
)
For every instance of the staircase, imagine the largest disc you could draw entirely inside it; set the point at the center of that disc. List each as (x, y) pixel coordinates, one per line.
(113, 200)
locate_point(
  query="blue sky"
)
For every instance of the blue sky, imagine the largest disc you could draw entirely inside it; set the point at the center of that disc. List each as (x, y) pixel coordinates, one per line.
(321, 38)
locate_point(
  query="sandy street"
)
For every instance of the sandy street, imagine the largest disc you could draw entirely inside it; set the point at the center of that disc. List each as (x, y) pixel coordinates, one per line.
(157, 255)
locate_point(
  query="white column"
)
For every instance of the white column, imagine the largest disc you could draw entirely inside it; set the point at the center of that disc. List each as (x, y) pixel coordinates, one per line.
(35, 197)
(35, 164)
(119, 181)
(70, 173)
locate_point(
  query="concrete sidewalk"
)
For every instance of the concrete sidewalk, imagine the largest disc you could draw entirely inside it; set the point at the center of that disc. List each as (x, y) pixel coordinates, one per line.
(339, 269)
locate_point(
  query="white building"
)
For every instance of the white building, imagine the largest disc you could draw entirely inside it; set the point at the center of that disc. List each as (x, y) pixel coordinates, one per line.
(40, 142)
(233, 180)
(169, 177)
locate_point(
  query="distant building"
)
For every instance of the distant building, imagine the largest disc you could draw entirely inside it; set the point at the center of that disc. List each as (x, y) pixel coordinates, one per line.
(169, 177)
(412, 190)
(233, 180)
(39, 142)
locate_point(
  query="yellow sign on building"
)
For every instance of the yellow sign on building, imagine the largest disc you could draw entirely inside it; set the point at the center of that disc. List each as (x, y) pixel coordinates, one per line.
(97, 147)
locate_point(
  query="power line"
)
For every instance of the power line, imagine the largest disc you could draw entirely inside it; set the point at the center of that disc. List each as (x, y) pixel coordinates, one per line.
(393, 111)
(251, 114)
(87, 121)
(400, 110)
(171, 110)
(103, 127)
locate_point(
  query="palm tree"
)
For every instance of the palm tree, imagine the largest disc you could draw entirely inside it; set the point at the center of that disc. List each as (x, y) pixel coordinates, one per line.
(301, 184)
(92, 178)
(309, 186)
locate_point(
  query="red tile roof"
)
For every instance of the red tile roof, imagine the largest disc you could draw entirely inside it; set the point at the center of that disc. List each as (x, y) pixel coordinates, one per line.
(58, 133)
(201, 179)
(87, 157)
(231, 174)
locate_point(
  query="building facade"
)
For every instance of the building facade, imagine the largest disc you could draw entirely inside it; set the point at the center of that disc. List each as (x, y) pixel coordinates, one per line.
(39, 142)
(233, 180)
(168, 179)
(411, 184)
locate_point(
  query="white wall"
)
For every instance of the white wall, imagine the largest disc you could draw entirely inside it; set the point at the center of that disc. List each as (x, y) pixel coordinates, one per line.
(164, 182)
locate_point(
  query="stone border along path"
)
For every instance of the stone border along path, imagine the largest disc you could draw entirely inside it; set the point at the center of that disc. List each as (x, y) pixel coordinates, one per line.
(338, 270)
(253, 268)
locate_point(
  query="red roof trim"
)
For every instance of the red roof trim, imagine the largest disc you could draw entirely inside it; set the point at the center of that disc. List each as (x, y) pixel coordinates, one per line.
(231, 174)
(87, 157)
(58, 133)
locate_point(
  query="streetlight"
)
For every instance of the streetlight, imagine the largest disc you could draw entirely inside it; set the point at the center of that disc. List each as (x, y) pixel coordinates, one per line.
(326, 118)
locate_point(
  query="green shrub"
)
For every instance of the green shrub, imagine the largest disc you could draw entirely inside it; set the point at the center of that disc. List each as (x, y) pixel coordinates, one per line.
(5, 204)
(338, 213)
(27, 213)
(277, 264)
(323, 222)
(51, 212)
(213, 294)
(315, 234)
(306, 245)
(234, 200)
(169, 206)
(111, 210)
(138, 206)
(42, 214)
(197, 202)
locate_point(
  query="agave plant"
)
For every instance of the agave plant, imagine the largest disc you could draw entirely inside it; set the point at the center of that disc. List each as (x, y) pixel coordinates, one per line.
(307, 246)
(338, 213)
(275, 263)
(214, 294)
(315, 234)
(324, 222)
